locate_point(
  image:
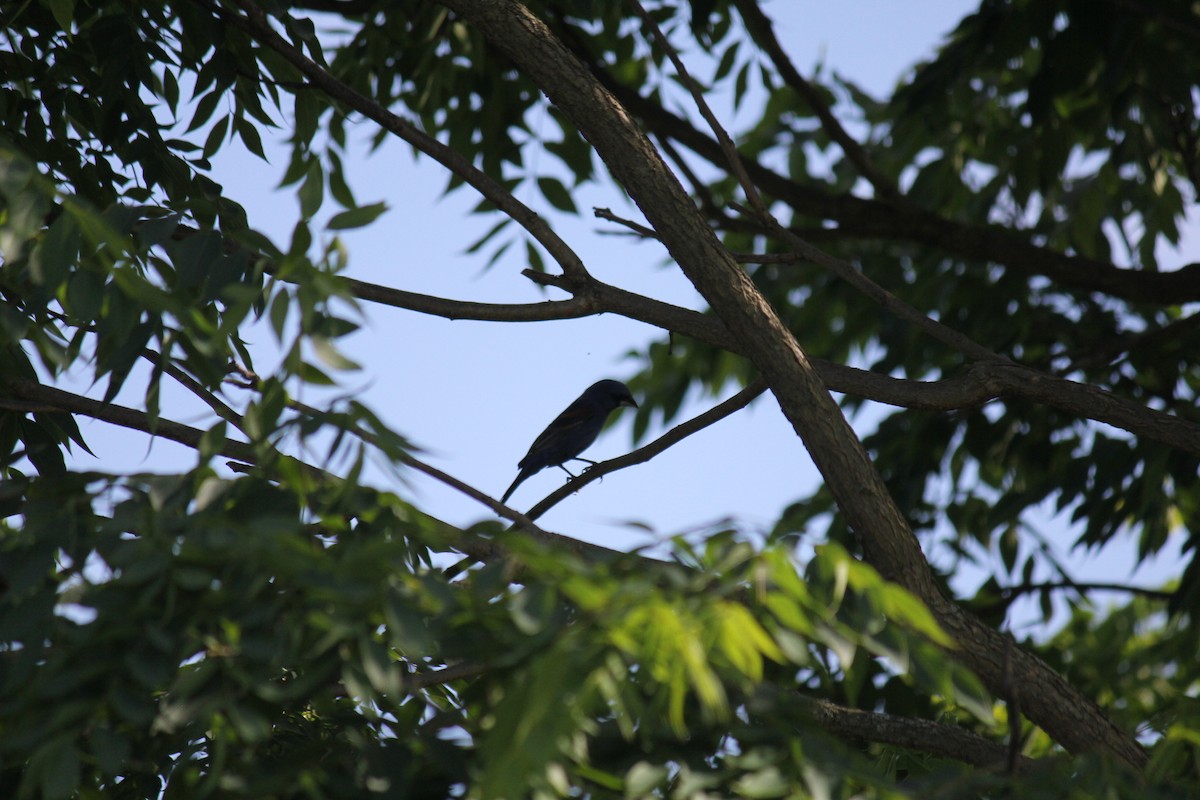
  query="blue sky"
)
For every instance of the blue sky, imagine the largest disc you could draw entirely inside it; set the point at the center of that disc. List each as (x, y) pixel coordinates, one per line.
(474, 394)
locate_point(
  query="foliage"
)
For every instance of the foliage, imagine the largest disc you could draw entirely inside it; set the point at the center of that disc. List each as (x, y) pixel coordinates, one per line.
(278, 630)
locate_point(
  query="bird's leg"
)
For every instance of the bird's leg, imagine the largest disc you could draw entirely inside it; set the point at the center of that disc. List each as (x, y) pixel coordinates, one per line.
(587, 461)
(564, 469)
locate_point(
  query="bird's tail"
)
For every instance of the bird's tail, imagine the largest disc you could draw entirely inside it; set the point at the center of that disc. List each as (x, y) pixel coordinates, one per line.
(521, 476)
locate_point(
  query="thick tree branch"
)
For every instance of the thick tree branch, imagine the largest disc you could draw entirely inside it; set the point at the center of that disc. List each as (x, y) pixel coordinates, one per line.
(981, 384)
(574, 308)
(922, 735)
(888, 543)
(60, 400)
(978, 386)
(852, 724)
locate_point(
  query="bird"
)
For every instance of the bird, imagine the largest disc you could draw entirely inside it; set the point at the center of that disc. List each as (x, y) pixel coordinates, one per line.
(572, 431)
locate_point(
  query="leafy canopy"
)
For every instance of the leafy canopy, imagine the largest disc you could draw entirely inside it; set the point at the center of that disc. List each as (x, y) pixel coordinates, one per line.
(280, 629)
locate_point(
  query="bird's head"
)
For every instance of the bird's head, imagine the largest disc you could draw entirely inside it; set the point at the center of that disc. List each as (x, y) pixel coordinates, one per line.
(611, 393)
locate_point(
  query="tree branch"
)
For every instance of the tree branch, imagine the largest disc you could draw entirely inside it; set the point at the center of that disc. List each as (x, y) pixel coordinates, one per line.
(732, 158)
(192, 385)
(888, 543)
(1009, 593)
(922, 735)
(61, 400)
(574, 308)
(638, 228)
(980, 385)
(981, 382)
(852, 724)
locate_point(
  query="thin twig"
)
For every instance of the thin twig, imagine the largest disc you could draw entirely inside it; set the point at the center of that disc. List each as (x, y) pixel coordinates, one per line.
(762, 31)
(192, 385)
(639, 456)
(1009, 593)
(636, 227)
(727, 146)
(54, 399)
(574, 308)
(409, 460)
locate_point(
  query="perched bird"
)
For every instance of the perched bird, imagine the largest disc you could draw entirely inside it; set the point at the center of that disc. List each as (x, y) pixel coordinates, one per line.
(573, 430)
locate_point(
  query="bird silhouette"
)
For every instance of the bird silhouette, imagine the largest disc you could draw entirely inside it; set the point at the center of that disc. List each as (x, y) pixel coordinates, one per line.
(572, 431)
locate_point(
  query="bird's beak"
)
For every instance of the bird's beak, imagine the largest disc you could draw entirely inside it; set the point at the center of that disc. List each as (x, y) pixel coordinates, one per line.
(629, 401)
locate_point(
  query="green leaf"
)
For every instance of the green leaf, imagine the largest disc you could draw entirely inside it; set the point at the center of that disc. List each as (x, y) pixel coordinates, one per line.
(331, 356)
(740, 82)
(764, 783)
(555, 192)
(1010, 545)
(727, 61)
(357, 217)
(337, 183)
(280, 305)
(57, 768)
(170, 91)
(111, 749)
(408, 629)
(312, 191)
(905, 608)
(311, 374)
(213, 440)
(643, 777)
(534, 256)
(250, 136)
(63, 11)
(56, 255)
(157, 230)
(216, 136)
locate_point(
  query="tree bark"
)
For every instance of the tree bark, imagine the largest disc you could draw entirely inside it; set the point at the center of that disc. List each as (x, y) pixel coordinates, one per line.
(887, 541)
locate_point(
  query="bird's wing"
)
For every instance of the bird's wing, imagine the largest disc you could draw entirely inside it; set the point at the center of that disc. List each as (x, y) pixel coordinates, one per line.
(564, 438)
